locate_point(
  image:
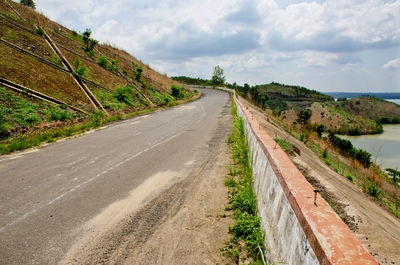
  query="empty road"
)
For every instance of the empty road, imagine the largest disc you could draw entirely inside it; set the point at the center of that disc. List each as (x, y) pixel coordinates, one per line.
(51, 197)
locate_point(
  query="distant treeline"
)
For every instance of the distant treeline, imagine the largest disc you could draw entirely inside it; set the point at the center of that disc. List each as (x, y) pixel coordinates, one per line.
(346, 148)
(192, 81)
(381, 95)
(280, 97)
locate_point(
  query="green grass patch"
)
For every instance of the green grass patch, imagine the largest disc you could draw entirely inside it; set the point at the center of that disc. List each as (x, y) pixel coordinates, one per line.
(36, 138)
(21, 113)
(247, 241)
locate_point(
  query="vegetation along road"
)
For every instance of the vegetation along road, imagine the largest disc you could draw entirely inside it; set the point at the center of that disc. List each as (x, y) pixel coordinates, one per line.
(100, 198)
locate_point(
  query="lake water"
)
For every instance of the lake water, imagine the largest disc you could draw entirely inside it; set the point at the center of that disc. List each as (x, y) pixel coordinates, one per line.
(385, 147)
(397, 101)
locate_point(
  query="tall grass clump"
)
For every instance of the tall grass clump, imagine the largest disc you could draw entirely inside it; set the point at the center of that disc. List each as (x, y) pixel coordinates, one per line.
(247, 241)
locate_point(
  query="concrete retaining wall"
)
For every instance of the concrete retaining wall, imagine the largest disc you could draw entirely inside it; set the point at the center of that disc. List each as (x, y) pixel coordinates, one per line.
(297, 230)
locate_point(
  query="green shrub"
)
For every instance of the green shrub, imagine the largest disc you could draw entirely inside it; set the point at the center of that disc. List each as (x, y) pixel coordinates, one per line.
(248, 227)
(327, 161)
(349, 177)
(80, 71)
(138, 73)
(245, 200)
(362, 156)
(89, 43)
(124, 94)
(320, 129)
(39, 31)
(91, 53)
(4, 130)
(97, 118)
(230, 183)
(60, 115)
(31, 118)
(175, 90)
(102, 61)
(346, 148)
(374, 190)
(113, 65)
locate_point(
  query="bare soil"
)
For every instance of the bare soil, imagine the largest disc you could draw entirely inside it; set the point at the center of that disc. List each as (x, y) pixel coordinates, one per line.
(376, 227)
(180, 222)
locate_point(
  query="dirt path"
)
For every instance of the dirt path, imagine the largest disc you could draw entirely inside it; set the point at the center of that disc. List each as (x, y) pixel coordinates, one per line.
(182, 223)
(377, 228)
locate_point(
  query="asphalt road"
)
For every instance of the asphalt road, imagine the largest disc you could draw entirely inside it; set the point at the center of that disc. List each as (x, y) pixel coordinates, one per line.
(46, 196)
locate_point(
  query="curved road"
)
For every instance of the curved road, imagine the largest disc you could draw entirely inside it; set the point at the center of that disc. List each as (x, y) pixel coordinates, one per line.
(49, 195)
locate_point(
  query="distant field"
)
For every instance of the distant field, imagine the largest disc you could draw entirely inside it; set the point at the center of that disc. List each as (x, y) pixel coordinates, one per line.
(382, 95)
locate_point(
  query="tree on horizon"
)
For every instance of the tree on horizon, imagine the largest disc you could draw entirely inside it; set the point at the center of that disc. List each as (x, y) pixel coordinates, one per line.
(28, 3)
(218, 77)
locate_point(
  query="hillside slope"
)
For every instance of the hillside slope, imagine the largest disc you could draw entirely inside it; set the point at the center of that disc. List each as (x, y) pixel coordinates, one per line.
(41, 59)
(378, 229)
(364, 115)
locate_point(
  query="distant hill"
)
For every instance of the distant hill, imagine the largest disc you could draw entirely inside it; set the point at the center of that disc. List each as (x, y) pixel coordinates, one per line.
(372, 107)
(280, 97)
(362, 115)
(382, 95)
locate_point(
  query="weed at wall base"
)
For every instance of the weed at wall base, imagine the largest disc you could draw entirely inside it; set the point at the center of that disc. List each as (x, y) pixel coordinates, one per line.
(247, 241)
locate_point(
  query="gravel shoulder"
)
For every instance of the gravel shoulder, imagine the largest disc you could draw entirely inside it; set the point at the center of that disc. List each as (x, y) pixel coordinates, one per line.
(376, 227)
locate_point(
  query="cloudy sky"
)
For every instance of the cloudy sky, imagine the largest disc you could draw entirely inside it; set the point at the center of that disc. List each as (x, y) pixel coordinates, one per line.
(332, 45)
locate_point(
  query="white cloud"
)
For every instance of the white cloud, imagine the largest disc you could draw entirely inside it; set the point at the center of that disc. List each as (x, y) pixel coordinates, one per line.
(256, 40)
(393, 64)
(335, 26)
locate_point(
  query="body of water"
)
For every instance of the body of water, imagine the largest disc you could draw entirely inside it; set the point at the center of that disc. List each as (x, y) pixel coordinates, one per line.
(397, 101)
(385, 147)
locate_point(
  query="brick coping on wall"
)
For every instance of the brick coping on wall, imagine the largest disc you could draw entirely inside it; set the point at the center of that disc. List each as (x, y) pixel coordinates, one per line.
(331, 239)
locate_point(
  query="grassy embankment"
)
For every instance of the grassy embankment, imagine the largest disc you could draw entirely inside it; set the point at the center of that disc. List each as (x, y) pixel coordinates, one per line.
(118, 80)
(27, 122)
(247, 242)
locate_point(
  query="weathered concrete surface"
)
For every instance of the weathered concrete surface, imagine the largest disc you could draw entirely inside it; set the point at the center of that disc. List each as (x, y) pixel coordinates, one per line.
(297, 230)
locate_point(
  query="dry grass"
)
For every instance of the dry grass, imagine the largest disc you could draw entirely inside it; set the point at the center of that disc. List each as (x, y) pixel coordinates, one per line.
(98, 74)
(155, 79)
(158, 81)
(6, 9)
(154, 85)
(29, 72)
(376, 176)
(71, 44)
(34, 17)
(25, 40)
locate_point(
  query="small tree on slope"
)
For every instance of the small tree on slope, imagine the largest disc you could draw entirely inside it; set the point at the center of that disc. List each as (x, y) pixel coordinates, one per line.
(28, 3)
